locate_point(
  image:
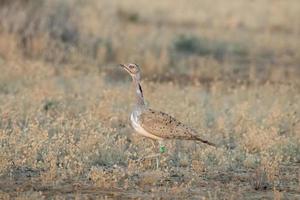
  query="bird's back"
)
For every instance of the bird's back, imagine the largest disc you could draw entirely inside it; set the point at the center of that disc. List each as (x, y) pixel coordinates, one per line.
(165, 126)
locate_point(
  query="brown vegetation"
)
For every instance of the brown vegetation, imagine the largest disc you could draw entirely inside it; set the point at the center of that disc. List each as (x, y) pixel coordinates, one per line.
(228, 68)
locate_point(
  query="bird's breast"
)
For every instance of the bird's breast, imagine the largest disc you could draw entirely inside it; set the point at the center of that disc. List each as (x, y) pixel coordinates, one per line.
(134, 118)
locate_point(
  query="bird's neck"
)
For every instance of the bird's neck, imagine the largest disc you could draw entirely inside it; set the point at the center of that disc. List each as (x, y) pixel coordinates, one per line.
(139, 94)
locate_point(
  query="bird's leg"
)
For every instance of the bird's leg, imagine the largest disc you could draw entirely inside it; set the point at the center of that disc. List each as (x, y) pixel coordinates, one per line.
(162, 149)
(154, 146)
(157, 156)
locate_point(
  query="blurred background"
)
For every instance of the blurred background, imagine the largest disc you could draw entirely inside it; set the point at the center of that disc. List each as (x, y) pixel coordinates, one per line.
(207, 40)
(230, 69)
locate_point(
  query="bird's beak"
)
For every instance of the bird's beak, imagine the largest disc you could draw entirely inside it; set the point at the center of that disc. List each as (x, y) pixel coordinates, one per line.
(122, 65)
(125, 67)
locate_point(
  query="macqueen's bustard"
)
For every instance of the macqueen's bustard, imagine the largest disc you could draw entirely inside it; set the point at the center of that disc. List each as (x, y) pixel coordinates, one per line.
(155, 124)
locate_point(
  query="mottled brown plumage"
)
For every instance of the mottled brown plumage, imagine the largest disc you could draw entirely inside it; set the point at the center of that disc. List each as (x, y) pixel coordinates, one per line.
(165, 126)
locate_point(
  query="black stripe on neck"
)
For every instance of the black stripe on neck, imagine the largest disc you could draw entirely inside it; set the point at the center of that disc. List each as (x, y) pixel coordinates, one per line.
(140, 88)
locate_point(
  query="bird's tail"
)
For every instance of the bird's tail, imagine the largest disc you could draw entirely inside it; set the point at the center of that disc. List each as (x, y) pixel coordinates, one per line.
(206, 142)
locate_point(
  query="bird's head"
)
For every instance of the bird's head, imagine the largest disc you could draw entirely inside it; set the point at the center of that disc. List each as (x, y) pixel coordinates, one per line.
(133, 70)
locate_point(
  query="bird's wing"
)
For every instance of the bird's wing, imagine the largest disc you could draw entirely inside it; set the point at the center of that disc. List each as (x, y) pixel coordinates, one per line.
(167, 127)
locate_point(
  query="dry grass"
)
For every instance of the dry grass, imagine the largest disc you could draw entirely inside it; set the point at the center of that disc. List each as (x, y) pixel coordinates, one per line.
(64, 104)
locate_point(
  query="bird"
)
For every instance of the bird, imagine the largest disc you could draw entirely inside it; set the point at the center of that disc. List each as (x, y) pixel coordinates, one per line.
(153, 124)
